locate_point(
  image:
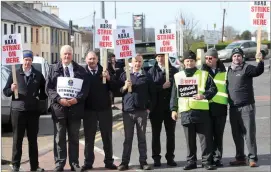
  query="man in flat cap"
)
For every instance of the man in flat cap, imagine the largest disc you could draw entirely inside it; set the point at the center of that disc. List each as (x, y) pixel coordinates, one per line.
(25, 110)
(191, 92)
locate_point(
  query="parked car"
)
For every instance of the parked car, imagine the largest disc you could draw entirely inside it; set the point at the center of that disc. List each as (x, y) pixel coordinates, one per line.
(41, 65)
(249, 48)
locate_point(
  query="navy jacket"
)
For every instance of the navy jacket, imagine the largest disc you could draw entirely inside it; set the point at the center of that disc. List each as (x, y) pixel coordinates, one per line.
(142, 96)
(58, 111)
(30, 90)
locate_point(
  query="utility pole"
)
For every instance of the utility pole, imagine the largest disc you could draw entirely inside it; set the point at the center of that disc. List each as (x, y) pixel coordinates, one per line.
(71, 36)
(115, 10)
(224, 11)
(93, 31)
(103, 12)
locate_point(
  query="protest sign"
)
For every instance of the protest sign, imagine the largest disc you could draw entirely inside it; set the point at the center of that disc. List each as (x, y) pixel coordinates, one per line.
(68, 87)
(124, 43)
(12, 54)
(188, 87)
(104, 39)
(260, 15)
(165, 43)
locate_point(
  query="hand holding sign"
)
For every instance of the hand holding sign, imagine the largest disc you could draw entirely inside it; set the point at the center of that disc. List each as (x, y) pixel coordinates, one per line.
(64, 102)
(128, 84)
(106, 75)
(73, 101)
(13, 87)
(166, 85)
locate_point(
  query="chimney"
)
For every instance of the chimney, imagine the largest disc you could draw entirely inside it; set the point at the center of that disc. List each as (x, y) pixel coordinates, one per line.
(37, 5)
(75, 26)
(54, 10)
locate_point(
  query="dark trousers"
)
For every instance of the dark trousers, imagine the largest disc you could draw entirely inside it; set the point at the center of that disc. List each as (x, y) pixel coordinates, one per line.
(243, 124)
(105, 119)
(130, 119)
(61, 126)
(203, 130)
(218, 126)
(25, 121)
(156, 124)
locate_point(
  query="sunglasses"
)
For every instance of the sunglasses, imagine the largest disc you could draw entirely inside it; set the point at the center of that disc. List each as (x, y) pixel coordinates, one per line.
(209, 58)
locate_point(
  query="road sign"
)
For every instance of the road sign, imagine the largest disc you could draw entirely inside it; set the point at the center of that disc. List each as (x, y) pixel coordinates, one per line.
(211, 37)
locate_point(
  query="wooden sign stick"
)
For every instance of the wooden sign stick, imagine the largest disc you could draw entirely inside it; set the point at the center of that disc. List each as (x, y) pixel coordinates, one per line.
(167, 67)
(104, 55)
(259, 36)
(14, 77)
(127, 70)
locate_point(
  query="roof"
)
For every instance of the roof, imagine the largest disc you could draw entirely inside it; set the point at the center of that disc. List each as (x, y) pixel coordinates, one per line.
(60, 21)
(35, 15)
(10, 14)
(241, 41)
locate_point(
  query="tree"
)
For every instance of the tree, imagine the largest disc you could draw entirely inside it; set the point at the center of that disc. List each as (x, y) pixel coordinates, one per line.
(230, 33)
(237, 37)
(264, 34)
(246, 35)
(189, 28)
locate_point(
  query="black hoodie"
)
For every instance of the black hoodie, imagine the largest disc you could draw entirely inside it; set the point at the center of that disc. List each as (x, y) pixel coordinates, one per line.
(163, 95)
(216, 109)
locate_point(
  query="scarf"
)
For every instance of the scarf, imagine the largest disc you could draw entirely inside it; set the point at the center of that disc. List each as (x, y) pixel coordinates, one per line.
(190, 71)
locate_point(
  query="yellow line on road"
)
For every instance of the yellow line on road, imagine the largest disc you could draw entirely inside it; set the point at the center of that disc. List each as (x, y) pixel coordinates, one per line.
(98, 139)
(118, 124)
(120, 127)
(98, 135)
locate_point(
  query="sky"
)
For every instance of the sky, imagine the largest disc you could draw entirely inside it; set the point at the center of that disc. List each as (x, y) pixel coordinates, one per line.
(159, 13)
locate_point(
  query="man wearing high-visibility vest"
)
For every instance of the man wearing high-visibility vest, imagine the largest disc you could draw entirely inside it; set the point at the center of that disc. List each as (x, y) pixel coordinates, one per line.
(192, 89)
(218, 104)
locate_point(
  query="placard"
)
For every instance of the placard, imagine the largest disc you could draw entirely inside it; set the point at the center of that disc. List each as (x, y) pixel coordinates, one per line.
(12, 52)
(260, 13)
(165, 39)
(68, 87)
(188, 87)
(104, 33)
(124, 43)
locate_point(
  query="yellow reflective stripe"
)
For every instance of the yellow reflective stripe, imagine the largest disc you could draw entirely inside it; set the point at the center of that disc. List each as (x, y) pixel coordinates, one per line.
(222, 94)
(203, 80)
(192, 99)
(219, 82)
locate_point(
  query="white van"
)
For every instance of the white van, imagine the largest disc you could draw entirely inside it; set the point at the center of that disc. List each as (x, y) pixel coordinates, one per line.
(39, 64)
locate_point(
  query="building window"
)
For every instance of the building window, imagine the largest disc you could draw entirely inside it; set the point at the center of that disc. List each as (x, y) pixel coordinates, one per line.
(42, 54)
(74, 40)
(52, 36)
(37, 36)
(52, 58)
(60, 38)
(25, 34)
(19, 29)
(31, 34)
(56, 57)
(56, 37)
(12, 29)
(47, 36)
(65, 38)
(42, 35)
(5, 29)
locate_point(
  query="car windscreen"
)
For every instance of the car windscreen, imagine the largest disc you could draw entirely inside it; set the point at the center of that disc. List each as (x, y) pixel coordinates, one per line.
(146, 47)
(233, 45)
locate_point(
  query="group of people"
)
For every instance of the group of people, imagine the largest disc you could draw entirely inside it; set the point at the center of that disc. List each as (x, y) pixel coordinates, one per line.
(203, 114)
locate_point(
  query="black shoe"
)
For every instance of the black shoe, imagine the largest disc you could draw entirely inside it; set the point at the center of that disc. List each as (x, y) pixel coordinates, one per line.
(123, 167)
(15, 168)
(111, 166)
(59, 169)
(218, 163)
(37, 169)
(157, 163)
(76, 167)
(145, 166)
(86, 167)
(172, 163)
(190, 166)
(208, 167)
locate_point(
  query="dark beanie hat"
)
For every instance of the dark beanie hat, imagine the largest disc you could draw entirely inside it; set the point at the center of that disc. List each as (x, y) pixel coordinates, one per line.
(237, 51)
(212, 52)
(189, 55)
(28, 54)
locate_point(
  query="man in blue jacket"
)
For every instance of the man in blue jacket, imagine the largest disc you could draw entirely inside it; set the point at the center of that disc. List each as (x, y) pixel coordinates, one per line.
(136, 106)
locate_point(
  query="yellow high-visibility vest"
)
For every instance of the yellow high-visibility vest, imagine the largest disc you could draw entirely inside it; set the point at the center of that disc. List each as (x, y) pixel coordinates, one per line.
(221, 96)
(188, 103)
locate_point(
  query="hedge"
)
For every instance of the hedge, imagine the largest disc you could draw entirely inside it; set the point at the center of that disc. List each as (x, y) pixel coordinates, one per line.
(219, 46)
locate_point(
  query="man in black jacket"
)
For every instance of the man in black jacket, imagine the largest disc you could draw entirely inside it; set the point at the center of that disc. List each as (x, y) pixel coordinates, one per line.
(194, 109)
(242, 106)
(25, 110)
(136, 106)
(67, 111)
(161, 112)
(98, 108)
(218, 105)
